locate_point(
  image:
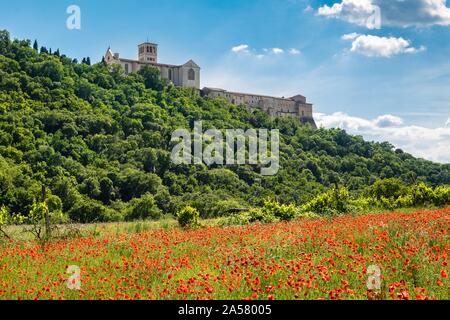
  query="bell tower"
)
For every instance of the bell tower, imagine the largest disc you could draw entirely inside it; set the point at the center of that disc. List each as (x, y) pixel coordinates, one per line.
(148, 52)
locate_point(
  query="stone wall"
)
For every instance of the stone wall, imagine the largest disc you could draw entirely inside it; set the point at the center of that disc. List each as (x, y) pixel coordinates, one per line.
(295, 107)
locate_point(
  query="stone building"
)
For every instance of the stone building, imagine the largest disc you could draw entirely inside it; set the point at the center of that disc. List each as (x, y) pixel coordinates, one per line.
(295, 107)
(186, 75)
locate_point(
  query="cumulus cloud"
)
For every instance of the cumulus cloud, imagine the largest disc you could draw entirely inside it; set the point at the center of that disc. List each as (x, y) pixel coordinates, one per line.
(277, 50)
(359, 12)
(399, 13)
(241, 48)
(428, 143)
(388, 120)
(375, 46)
(447, 124)
(350, 36)
(294, 52)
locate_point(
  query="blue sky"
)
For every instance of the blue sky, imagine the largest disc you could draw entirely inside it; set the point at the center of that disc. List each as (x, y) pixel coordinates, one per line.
(388, 82)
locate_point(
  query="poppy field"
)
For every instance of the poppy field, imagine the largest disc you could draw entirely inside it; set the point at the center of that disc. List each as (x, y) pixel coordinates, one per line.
(375, 256)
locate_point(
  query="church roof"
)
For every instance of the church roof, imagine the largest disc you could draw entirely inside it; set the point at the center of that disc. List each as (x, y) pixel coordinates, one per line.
(191, 64)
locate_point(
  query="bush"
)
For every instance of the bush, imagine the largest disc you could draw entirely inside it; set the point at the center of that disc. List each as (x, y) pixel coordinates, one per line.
(37, 220)
(87, 211)
(248, 217)
(4, 221)
(442, 196)
(386, 188)
(224, 207)
(211, 204)
(188, 217)
(6, 218)
(144, 208)
(331, 202)
(281, 211)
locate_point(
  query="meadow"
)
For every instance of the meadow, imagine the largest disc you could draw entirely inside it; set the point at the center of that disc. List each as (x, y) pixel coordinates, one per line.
(323, 258)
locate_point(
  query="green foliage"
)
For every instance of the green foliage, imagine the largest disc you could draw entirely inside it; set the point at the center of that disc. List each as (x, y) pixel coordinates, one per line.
(152, 78)
(144, 208)
(4, 221)
(251, 216)
(387, 189)
(99, 140)
(280, 211)
(331, 202)
(188, 217)
(89, 211)
(37, 223)
(442, 196)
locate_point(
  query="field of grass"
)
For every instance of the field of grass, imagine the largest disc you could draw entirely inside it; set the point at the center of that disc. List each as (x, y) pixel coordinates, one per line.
(329, 258)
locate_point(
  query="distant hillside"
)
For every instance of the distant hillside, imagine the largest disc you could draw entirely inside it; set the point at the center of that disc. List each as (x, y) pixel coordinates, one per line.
(100, 143)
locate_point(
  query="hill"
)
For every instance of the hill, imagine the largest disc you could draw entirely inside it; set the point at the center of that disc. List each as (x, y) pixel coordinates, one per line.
(100, 143)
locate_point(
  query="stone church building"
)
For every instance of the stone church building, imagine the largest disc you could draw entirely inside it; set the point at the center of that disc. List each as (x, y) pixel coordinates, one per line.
(188, 75)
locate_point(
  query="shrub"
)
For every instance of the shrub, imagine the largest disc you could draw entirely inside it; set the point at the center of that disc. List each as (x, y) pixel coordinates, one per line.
(37, 220)
(386, 188)
(332, 201)
(281, 211)
(188, 217)
(421, 194)
(144, 208)
(87, 211)
(211, 204)
(224, 207)
(4, 221)
(404, 201)
(442, 196)
(247, 217)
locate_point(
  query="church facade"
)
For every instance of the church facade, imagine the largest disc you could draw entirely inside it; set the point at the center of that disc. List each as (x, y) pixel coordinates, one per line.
(188, 75)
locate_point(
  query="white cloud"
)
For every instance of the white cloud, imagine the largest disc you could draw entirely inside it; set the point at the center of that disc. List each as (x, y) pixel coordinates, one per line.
(388, 120)
(350, 36)
(385, 47)
(308, 8)
(427, 143)
(400, 13)
(358, 12)
(241, 48)
(247, 50)
(294, 52)
(277, 50)
(447, 124)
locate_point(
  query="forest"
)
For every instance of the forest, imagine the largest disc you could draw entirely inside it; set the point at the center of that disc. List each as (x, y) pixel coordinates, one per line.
(99, 143)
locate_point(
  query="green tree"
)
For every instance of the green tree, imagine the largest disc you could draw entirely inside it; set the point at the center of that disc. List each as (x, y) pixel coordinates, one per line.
(144, 208)
(152, 77)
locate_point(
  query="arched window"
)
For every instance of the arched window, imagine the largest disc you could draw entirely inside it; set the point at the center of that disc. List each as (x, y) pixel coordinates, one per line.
(191, 74)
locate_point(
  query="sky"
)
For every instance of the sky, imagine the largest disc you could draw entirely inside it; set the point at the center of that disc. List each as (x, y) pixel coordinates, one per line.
(376, 68)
